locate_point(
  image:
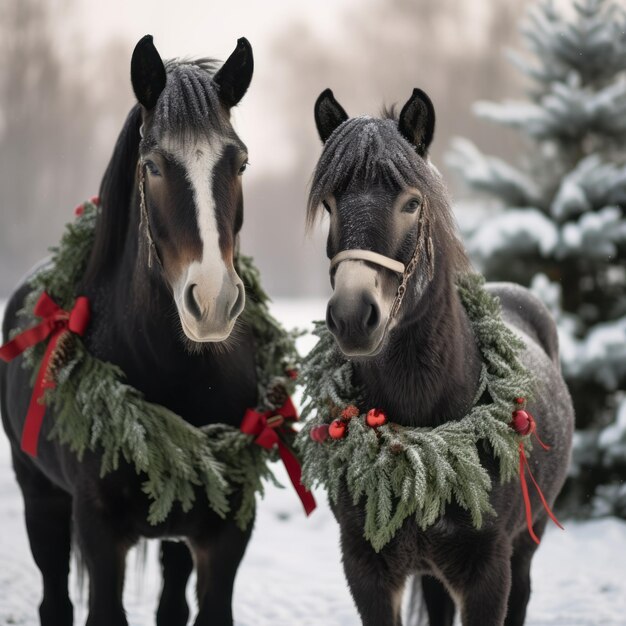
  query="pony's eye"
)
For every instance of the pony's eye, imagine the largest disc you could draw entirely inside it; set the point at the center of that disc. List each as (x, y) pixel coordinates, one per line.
(152, 168)
(326, 205)
(243, 167)
(412, 205)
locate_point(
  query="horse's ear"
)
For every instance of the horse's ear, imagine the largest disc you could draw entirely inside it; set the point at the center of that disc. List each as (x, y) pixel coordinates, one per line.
(235, 75)
(417, 121)
(329, 114)
(147, 73)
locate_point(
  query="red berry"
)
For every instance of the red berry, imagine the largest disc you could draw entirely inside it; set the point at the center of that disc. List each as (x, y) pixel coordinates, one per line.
(520, 400)
(337, 429)
(319, 433)
(522, 422)
(349, 412)
(79, 210)
(95, 200)
(375, 418)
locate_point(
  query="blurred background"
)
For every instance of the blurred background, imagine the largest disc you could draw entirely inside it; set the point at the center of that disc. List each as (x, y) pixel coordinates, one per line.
(65, 91)
(540, 84)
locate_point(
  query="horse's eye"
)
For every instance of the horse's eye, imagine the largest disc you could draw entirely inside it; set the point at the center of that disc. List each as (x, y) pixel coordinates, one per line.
(326, 205)
(412, 205)
(243, 167)
(152, 168)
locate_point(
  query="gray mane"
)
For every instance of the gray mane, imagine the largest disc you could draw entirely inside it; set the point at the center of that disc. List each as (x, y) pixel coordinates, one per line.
(190, 101)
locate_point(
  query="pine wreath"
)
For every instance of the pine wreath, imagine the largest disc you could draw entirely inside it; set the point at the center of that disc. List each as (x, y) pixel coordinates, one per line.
(405, 471)
(95, 410)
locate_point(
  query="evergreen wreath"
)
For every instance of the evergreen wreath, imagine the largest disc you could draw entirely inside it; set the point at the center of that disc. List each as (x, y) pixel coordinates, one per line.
(407, 471)
(96, 410)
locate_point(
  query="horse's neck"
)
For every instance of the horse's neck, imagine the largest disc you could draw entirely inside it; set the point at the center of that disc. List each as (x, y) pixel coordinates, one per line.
(429, 372)
(134, 309)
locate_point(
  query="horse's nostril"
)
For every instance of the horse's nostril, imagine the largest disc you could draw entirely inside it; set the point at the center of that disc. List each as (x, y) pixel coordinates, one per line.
(190, 302)
(373, 319)
(330, 320)
(239, 303)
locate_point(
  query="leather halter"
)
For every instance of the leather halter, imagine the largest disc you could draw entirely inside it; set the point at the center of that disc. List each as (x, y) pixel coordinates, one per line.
(424, 244)
(370, 256)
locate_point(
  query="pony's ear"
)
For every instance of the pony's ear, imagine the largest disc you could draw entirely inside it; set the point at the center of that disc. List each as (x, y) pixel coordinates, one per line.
(329, 114)
(417, 121)
(235, 75)
(147, 73)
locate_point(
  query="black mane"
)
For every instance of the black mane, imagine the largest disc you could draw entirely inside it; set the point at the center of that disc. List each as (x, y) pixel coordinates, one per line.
(115, 193)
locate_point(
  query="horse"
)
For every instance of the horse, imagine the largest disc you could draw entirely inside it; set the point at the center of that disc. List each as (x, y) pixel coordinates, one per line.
(415, 358)
(165, 300)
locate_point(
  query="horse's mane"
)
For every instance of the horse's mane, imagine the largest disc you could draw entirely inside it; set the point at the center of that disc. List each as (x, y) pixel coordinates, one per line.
(116, 189)
(367, 150)
(188, 105)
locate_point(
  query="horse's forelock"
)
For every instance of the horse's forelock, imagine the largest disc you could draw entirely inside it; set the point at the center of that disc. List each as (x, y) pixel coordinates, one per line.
(365, 151)
(189, 105)
(362, 150)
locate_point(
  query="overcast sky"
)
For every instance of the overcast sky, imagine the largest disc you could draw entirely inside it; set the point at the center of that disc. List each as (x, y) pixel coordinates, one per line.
(209, 28)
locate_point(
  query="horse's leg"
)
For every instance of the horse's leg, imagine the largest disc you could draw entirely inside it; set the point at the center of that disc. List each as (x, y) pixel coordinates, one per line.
(523, 550)
(176, 565)
(439, 604)
(217, 558)
(478, 571)
(48, 513)
(103, 544)
(375, 581)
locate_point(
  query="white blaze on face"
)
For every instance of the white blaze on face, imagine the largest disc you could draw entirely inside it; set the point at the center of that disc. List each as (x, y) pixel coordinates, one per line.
(208, 293)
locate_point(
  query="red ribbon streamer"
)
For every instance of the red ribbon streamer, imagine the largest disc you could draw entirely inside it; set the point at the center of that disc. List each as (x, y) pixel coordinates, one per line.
(54, 324)
(523, 465)
(263, 426)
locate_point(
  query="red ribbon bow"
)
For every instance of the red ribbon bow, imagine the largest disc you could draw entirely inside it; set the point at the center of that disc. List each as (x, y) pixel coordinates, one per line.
(524, 424)
(263, 426)
(54, 324)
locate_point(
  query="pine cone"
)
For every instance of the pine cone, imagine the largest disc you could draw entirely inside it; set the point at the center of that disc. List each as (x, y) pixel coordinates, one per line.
(61, 355)
(276, 394)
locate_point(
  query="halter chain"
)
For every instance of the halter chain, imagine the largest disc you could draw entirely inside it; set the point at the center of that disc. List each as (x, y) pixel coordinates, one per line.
(424, 244)
(144, 222)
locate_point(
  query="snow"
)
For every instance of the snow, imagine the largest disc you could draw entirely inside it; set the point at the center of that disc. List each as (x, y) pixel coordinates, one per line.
(594, 235)
(517, 231)
(489, 173)
(291, 573)
(600, 356)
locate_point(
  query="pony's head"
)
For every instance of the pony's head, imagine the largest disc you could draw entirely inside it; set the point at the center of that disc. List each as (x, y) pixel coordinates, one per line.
(190, 163)
(390, 229)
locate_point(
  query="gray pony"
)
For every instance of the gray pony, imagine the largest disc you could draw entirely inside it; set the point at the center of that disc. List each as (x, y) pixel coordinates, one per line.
(420, 364)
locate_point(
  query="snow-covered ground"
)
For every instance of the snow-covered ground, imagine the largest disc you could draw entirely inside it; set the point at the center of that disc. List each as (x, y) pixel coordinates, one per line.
(291, 574)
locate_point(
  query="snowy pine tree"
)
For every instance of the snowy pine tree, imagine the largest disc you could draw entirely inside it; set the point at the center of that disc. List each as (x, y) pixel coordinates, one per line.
(559, 224)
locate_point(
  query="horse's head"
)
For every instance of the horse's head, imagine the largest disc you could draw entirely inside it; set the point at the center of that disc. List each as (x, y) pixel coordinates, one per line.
(189, 170)
(383, 197)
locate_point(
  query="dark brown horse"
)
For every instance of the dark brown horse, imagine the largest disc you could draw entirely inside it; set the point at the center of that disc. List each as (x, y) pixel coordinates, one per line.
(421, 365)
(164, 293)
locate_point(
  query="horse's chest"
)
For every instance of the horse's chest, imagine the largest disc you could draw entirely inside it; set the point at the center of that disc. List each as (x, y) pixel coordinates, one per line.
(205, 395)
(203, 388)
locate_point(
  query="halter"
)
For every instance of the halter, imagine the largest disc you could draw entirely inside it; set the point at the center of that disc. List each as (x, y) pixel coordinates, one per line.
(424, 245)
(144, 222)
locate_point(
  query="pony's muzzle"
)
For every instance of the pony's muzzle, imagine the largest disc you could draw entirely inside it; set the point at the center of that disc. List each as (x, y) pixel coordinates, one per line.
(359, 315)
(355, 321)
(358, 311)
